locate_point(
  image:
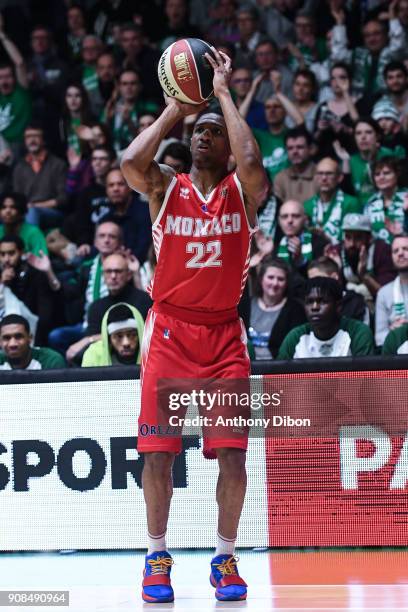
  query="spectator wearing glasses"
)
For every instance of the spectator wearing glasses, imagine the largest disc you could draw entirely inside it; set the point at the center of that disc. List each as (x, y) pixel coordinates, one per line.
(118, 279)
(91, 203)
(41, 177)
(85, 287)
(244, 88)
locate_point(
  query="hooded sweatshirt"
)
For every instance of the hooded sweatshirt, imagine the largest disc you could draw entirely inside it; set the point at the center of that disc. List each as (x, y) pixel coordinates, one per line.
(99, 353)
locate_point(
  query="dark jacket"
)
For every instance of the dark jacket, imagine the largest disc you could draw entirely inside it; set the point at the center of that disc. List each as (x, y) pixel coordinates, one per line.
(136, 226)
(137, 298)
(46, 184)
(291, 315)
(31, 287)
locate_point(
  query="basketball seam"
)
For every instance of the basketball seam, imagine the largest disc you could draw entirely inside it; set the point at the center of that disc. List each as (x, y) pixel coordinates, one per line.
(196, 71)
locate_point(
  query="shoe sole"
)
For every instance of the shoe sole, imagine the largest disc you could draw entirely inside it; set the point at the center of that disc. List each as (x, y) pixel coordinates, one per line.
(153, 600)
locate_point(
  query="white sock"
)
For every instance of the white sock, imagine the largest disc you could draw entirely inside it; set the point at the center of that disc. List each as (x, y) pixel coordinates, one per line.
(225, 546)
(156, 543)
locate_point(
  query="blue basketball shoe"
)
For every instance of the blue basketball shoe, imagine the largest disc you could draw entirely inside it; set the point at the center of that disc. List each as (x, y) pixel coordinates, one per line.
(229, 586)
(156, 585)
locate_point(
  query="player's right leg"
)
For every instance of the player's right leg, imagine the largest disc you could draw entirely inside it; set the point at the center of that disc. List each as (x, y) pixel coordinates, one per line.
(158, 489)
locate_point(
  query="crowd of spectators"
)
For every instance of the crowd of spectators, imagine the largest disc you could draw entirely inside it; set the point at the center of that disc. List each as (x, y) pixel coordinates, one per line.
(323, 84)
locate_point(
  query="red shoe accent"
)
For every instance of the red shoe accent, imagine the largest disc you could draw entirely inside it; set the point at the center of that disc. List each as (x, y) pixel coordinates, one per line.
(156, 580)
(229, 580)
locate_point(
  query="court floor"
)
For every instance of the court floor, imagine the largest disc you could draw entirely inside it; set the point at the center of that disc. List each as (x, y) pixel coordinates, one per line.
(321, 580)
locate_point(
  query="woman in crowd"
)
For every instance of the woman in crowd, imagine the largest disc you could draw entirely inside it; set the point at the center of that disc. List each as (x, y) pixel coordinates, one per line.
(367, 135)
(386, 207)
(335, 117)
(302, 108)
(273, 312)
(75, 112)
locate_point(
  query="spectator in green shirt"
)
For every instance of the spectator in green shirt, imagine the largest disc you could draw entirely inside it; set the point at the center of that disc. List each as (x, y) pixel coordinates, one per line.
(15, 107)
(15, 100)
(17, 352)
(327, 333)
(13, 208)
(272, 141)
(329, 206)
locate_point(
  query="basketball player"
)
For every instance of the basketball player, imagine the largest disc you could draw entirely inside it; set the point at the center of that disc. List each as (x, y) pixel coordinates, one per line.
(202, 225)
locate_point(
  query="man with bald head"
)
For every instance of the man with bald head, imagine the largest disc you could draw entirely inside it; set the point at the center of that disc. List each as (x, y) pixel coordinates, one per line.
(327, 208)
(299, 245)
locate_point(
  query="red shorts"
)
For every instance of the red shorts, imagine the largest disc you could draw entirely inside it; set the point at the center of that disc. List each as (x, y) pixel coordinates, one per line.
(176, 347)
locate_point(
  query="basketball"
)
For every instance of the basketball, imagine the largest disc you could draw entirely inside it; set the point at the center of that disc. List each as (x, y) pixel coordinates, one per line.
(184, 72)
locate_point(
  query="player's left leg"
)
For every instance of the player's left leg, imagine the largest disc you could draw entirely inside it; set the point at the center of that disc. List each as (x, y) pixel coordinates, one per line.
(231, 488)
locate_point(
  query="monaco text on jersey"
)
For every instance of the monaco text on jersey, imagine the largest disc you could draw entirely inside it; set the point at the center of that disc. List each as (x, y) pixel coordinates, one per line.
(197, 226)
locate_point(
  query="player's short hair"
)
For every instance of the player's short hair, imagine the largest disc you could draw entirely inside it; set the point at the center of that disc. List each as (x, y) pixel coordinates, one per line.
(9, 239)
(327, 287)
(15, 319)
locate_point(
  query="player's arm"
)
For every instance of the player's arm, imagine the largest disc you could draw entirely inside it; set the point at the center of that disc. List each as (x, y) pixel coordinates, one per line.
(244, 147)
(140, 170)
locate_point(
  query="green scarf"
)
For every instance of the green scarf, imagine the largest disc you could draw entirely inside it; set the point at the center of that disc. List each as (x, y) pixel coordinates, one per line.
(306, 239)
(96, 287)
(399, 305)
(378, 213)
(267, 217)
(361, 63)
(329, 218)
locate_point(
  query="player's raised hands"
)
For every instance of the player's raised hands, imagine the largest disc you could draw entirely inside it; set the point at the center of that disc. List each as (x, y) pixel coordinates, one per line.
(221, 65)
(183, 108)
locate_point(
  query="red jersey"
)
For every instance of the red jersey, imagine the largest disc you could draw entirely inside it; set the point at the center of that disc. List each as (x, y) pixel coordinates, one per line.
(202, 246)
